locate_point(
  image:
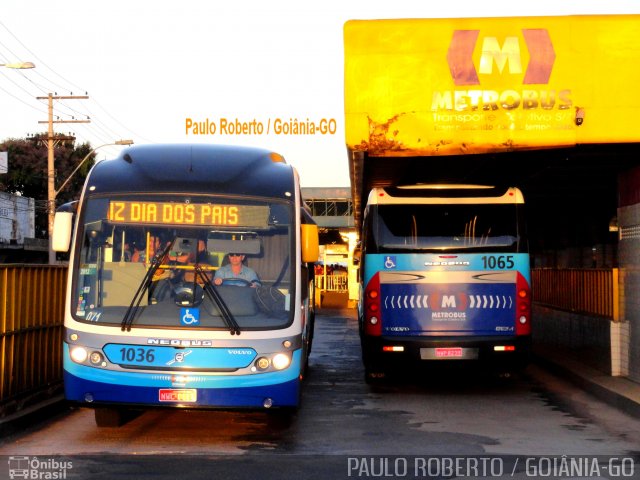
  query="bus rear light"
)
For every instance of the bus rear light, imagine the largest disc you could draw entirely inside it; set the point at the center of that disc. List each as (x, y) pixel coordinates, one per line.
(393, 348)
(504, 348)
(523, 306)
(372, 323)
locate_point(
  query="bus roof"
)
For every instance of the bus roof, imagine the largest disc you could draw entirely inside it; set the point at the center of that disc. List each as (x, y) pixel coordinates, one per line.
(440, 194)
(195, 168)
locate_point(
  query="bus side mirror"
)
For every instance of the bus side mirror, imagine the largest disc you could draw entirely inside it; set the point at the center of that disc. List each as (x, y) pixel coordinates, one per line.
(310, 243)
(62, 226)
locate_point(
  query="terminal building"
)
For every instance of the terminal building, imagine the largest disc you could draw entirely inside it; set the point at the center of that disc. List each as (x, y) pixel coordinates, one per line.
(336, 279)
(17, 231)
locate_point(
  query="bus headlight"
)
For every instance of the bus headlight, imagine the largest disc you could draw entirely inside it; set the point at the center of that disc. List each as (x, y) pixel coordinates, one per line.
(262, 363)
(280, 361)
(96, 358)
(79, 354)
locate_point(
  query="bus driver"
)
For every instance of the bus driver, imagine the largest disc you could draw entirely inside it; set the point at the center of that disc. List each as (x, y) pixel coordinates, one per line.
(235, 269)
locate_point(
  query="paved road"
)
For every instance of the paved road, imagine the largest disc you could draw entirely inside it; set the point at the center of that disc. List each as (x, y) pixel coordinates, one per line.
(342, 423)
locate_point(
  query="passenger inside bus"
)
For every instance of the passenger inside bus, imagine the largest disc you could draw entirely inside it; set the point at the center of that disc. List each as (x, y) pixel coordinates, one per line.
(200, 257)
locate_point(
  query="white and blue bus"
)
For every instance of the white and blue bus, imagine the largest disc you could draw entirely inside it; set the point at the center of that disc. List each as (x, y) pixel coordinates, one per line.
(148, 322)
(445, 276)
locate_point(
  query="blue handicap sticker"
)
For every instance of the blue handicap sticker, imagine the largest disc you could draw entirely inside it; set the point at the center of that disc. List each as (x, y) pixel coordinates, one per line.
(190, 316)
(389, 261)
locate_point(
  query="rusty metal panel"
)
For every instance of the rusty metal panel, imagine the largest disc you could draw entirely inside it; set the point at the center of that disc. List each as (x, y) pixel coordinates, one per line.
(587, 291)
(31, 325)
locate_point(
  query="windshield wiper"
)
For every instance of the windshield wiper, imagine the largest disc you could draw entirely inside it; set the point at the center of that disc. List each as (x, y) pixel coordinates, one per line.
(215, 297)
(130, 314)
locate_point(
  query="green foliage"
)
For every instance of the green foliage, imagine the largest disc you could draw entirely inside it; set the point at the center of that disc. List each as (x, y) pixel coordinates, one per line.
(27, 175)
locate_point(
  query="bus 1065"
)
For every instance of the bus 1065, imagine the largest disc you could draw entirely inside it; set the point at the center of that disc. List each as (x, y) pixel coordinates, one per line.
(190, 282)
(445, 277)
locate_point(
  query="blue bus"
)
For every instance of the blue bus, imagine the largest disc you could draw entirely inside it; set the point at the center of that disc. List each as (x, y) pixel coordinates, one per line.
(190, 282)
(445, 277)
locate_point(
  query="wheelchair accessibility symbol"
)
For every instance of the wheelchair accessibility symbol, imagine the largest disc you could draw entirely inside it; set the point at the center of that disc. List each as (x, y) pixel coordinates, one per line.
(190, 316)
(390, 262)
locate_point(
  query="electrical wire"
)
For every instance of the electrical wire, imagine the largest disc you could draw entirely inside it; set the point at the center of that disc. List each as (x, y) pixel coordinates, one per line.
(63, 109)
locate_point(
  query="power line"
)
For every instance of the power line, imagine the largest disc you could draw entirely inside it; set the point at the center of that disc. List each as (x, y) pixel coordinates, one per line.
(20, 100)
(70, 116)
(41, 62)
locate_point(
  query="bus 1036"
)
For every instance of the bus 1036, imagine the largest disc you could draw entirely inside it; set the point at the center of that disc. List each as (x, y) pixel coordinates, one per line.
(446, 276)
(190, 282)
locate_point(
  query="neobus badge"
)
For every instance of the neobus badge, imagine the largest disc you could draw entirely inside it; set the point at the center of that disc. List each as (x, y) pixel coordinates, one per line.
(179, 342)
(449, 263)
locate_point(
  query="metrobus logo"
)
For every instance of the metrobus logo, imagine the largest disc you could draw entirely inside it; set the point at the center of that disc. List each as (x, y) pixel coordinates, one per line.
(458, 301)
(541, 56)
(503, 58)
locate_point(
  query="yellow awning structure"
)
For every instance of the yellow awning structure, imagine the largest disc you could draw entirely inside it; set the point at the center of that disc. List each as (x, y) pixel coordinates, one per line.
(424, 87)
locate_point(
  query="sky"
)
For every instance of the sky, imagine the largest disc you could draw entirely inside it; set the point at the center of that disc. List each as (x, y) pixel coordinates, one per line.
(148, 66)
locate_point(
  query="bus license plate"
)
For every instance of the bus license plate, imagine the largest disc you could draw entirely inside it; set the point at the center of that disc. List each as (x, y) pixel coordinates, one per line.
(448, 353)
(177, 395)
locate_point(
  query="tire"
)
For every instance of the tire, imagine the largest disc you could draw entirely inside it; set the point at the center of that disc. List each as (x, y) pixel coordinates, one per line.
(281, 418)
(109, 417)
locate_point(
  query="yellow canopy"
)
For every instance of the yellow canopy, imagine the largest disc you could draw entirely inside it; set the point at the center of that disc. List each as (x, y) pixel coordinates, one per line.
(477, 85)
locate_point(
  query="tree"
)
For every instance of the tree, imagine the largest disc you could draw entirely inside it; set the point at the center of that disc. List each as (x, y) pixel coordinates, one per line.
(27, 175)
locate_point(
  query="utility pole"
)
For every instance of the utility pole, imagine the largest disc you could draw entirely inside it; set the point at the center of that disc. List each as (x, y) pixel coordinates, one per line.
(51, 173)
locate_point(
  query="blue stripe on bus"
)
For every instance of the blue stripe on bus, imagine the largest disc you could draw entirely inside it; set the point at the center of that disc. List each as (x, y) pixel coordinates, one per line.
(183, 357)
(415, 262)
(284, 394)
(452, 309)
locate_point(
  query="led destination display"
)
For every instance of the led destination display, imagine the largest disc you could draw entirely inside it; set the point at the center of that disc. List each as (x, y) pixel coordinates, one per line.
(196, 214)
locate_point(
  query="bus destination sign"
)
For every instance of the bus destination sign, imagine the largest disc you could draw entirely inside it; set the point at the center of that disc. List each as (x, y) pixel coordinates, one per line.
(192, 214)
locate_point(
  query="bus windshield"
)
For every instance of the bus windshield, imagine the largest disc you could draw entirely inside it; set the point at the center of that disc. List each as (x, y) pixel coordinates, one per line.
(445, 228)
(176, 261)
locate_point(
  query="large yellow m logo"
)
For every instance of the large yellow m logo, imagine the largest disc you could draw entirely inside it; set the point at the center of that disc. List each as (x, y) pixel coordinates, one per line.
(492, 52)
(541, 56)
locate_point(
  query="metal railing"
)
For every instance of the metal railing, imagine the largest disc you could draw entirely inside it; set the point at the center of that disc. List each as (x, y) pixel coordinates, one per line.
(588, 291)
(332, 283)
(32, 300)
(31, 326)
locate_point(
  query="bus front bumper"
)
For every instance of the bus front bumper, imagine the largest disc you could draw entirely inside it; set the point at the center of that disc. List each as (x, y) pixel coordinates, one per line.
(90, 386)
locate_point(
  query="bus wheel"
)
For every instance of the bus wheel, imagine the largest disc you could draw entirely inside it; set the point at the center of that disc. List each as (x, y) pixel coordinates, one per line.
(109, 417)
(281, 418)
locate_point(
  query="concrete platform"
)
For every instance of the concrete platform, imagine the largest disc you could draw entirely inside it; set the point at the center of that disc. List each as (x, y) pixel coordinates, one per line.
(619, 392)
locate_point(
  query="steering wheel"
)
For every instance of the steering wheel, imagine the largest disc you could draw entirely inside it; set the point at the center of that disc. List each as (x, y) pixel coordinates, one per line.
(236, 282)
(184, 295)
